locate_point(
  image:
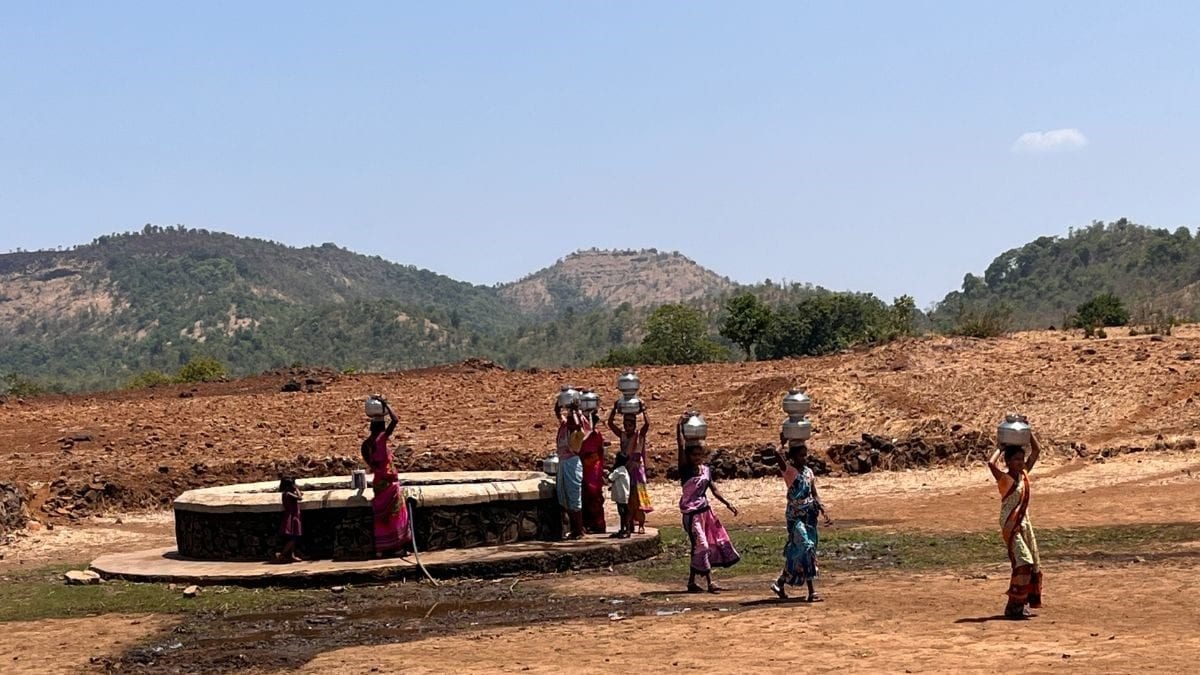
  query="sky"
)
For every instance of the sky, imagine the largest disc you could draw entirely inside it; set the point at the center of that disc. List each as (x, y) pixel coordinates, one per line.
(886, 147)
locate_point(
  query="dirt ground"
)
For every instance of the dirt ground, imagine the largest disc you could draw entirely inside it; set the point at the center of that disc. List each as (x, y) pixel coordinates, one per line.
(1095, 620)
(126, 450)
(1109, 614)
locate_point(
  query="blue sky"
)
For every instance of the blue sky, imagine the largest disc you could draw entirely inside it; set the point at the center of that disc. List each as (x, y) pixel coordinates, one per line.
(887, 147)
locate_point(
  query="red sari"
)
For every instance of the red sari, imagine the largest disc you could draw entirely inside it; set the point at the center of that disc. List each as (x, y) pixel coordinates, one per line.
(391, 513)
(592, 454)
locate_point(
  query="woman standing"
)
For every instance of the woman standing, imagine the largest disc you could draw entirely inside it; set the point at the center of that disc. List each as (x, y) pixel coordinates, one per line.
(392, 536)
(710, 542)
(569, 482)
(591, 455)
(633, 445)
(1012, 479)
(803, 506)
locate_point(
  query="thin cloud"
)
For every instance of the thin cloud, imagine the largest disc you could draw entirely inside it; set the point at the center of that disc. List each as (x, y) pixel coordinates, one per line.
(1057, 140)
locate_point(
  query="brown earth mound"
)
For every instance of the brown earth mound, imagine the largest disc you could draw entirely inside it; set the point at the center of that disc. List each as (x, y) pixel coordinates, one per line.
(81, 454)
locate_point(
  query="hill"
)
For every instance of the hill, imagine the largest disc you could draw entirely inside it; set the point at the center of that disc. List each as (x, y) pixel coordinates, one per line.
(96, 314)
(1042, 283)
(607, 279)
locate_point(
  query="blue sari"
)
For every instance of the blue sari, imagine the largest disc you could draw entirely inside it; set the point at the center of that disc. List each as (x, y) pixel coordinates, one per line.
(800, 552)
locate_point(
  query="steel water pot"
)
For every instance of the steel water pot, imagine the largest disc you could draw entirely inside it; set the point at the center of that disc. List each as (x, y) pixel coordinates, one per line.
(695, 428)
(629, 405)
(567, 396)
(629, 383)
(796, 403)
(589, 401)
(1014, 430)
(374, 407)
(797, 429)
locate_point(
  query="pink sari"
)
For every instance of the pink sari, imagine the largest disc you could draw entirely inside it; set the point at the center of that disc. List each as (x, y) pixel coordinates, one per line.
(592, 454)
(711, 546)
(391, 513)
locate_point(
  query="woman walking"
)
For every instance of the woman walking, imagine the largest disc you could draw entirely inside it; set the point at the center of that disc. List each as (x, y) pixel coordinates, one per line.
(710, 542)
(803, 507)
(633, 446)
(392, 536)
(1012, 479)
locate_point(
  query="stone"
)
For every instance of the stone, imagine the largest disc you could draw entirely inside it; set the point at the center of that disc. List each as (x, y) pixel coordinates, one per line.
(13, 515)
(338, 590)
(81, 578)
(1186, 356)
(291, 386)
(191, 591)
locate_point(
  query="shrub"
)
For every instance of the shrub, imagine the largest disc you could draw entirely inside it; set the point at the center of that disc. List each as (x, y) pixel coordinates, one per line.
(988, 323)
(1103, 311)
(150, 378)
(201, 369)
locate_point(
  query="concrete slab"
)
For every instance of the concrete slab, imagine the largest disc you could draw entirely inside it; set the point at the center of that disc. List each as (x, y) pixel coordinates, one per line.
(164, 564)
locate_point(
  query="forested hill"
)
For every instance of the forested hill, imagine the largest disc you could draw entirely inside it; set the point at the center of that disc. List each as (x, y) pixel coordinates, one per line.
(1043, 282)
(96, 314)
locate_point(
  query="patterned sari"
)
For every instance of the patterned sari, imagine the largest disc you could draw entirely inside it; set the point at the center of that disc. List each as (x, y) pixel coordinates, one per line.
(1025, 587)
(591, 454)
(639, 497)
(711, 546)
(391, 513)
(800, 552)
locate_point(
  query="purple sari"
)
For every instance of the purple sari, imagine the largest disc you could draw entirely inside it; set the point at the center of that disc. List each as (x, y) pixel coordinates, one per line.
(711, 546)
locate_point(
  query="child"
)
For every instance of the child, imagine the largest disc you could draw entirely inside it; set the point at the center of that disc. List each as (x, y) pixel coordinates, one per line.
(710, 542)
(291, 520)
(1025, 585)
(620, 494)
(803, 506)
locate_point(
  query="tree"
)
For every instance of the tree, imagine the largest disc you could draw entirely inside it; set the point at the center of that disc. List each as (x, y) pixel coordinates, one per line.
(903, 317)
(677, 334)
(1104, 310)
(201, 369)
(746, 322)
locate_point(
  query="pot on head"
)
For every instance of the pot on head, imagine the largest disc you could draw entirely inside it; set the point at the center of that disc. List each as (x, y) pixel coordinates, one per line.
(629, 384)
(589, 401)
(550, 465)
(374, 407)
(567, 396)
(1014, 430)
(629, 405)
(797, 429)
(695, 428)
(796, 403)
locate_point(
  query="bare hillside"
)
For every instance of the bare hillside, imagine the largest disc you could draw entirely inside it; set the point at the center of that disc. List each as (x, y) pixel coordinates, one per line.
(609, 278)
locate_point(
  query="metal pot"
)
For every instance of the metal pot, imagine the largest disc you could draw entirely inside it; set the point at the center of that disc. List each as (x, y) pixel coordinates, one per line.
(1014, 430)
(589, 401)
(629, 405)
(629, 384)
(797, 429)
(796, 403)
(567, 396)
(550, 465)
(695, 428)
(374, 407)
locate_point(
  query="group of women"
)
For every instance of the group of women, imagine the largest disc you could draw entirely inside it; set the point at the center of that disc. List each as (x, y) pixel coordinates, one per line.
(580, 448)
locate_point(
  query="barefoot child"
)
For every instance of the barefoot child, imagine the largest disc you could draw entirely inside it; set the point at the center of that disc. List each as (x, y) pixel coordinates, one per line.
(1012, 478)
(803, 506)
(711, 546)
(291, 520)
(619, 478)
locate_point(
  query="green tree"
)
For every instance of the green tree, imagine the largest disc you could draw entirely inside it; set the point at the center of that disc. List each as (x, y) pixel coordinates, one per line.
(903, 316)
(201, 369)
(1104, 310)
(746, 321)
(677, 334)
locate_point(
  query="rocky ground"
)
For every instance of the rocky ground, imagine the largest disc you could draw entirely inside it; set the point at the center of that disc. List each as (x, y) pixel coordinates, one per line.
(929, 401)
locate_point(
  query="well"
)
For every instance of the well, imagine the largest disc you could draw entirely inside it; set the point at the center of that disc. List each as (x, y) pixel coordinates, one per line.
(460, 509)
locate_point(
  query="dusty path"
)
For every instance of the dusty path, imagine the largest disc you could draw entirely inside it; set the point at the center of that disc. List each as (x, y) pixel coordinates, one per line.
(1108, 620)
(71, 645)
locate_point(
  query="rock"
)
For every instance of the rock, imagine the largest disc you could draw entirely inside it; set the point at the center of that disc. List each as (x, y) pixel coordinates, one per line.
(1186, 356)
(13, 515)
(81, 578)
(191, 591)
(338, 590)
(291, 386)
(1156, 338)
